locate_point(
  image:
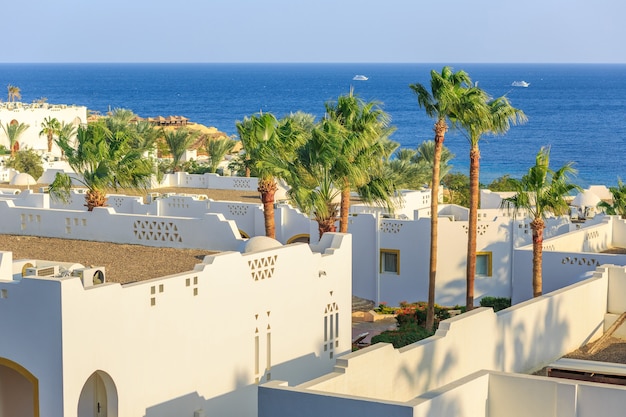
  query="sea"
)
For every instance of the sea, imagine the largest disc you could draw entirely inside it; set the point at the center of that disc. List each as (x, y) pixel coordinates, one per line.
(578, 110)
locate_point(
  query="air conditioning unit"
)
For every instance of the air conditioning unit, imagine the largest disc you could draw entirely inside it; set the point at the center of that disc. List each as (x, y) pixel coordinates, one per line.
(42, 271)
(91, 276)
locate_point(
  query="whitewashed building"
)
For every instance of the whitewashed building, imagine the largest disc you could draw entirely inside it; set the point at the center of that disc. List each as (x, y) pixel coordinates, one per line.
(477, 364)
(34, 115)
(195, 343)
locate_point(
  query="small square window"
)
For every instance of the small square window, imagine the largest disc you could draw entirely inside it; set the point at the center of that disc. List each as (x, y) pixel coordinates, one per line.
(390, 261)
(483, 264)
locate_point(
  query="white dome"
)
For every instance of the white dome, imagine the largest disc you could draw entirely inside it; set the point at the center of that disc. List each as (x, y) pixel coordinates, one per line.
(258, 243)
(23, 179)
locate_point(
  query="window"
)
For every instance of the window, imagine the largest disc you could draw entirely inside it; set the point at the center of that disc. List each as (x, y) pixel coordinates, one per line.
(390, 261)
(483, 264)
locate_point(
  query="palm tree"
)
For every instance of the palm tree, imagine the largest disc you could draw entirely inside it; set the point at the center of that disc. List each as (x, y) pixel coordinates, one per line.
(13, 132)
(14, 93)
(217, 149)
(269, 146)
(50, 127)
(362, 141)
(104, 161)
(541, 192)
(447, 96)
(312, 181)
(618, 205)
(492, 116)
(178, 141)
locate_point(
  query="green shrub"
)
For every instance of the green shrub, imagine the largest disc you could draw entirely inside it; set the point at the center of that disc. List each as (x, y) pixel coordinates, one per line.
(27, 161)
(403, 336)
(497, 303)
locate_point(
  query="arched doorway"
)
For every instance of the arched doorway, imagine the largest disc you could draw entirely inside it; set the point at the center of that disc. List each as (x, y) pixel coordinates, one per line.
(98, 397)
(19, 390)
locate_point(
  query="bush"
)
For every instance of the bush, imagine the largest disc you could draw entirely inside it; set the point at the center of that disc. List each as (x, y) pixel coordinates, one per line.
(403, 336)
(27, 161)
(411, 319)
(415, 313)
(497, 303)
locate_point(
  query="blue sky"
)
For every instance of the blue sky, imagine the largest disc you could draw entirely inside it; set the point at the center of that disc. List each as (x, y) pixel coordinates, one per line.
(460, 31)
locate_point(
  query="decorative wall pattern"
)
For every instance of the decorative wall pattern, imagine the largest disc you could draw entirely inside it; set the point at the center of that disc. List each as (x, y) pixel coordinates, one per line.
(29, 218)
(575, 260)
(262, 268)
(243, 183)
(73, 223)
(156, 230)
(390, 227)
(238, 209)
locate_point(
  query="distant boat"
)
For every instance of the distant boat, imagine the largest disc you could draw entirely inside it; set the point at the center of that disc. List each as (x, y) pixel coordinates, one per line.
(360, 78)
(520, 84)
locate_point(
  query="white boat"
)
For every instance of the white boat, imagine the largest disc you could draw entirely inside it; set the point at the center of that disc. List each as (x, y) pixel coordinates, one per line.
(520, 84)
(360, 78)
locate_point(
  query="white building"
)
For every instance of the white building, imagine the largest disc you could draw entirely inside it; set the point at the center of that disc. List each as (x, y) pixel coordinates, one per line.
(191, 344)
(34, 115)
(476, 365)
(391, 253)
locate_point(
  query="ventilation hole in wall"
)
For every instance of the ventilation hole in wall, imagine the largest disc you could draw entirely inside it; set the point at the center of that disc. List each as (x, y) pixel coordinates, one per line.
(152, 290)
(187, 282)
(152, 301)
(195, 291)
(160, 287)
(195, 280)
(4, 293)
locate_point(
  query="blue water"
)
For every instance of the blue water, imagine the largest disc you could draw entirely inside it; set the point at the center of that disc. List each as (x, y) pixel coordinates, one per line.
(578, 110)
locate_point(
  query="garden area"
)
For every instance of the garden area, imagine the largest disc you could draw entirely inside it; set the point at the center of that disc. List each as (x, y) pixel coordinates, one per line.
(411, 319)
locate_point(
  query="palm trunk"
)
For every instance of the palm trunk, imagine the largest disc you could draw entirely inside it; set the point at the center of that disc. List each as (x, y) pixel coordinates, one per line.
(440, 130)
(267, 188)
(537, 226)
(49, 142)
(345, 207)
(95, 198)
(472, 226)
(326, 225)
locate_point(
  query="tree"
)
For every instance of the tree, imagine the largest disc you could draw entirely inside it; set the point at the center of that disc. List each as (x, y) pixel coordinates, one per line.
(50, 127)
(503, 183)
(449, 93)
(14, 93)
(13, 132)
(312, 181)
(178, 141)
(27, 161)
(217, 149)
(270, 146)
(488, 116)
(104, 161)
(541, 192)
(365, 126)
(618, 205)
(458, 185)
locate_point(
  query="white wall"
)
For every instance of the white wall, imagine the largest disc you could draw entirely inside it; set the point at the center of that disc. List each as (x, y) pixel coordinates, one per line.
(103, 224)
(177, 344)
(523, 338)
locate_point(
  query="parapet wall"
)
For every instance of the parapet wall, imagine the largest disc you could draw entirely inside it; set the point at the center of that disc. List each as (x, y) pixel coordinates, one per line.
(104, 224)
